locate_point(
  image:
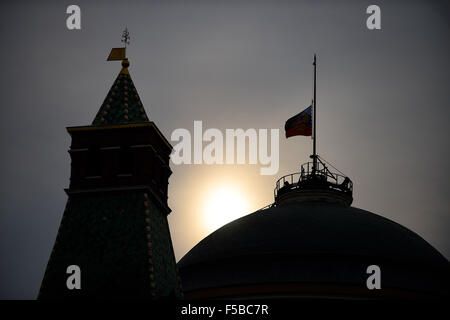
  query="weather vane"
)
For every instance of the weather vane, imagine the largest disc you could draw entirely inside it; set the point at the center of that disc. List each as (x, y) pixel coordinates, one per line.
(125, 37)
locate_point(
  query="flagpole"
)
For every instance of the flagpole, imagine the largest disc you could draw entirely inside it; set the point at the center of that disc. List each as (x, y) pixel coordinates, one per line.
(315, 108)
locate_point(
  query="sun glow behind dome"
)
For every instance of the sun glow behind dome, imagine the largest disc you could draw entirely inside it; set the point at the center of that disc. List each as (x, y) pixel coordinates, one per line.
(222, 205)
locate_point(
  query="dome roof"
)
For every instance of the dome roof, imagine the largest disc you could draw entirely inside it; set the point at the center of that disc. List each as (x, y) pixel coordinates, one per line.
(310, 249)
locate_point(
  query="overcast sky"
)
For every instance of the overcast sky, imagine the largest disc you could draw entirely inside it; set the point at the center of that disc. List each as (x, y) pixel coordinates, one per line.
(383, 105)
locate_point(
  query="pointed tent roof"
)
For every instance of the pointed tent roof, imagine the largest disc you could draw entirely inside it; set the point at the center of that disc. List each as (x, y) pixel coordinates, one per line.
(122, 104)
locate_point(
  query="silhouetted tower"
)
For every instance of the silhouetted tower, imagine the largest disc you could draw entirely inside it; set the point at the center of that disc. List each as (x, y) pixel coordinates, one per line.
(115, 225)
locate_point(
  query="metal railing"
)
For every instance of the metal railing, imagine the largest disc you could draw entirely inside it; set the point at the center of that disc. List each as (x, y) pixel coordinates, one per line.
(267, 207)
(322, 175)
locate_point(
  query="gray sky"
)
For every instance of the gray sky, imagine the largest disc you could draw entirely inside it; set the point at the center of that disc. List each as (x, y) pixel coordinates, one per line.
(383, 105)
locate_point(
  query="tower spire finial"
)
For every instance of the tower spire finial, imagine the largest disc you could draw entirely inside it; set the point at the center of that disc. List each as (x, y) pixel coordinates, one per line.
(120, 53)
(125, 37)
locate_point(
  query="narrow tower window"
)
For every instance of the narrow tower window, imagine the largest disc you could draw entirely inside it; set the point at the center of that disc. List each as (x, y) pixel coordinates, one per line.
(126, 160)
(94, 164)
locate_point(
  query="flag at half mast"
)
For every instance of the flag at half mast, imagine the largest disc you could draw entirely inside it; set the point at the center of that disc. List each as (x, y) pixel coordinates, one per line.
(300, 124)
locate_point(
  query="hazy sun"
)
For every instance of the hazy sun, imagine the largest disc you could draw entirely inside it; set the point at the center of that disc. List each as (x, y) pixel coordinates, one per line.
(222, 205)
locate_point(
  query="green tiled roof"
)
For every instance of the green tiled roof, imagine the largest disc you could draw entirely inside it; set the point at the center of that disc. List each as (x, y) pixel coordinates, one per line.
(122, 105)
(120, 241)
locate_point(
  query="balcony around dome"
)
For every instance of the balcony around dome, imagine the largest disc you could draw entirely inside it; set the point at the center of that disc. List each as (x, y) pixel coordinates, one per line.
(312, 244)
(309, 185)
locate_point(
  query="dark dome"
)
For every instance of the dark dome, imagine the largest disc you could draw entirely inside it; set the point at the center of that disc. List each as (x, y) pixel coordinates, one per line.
(312, 249)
